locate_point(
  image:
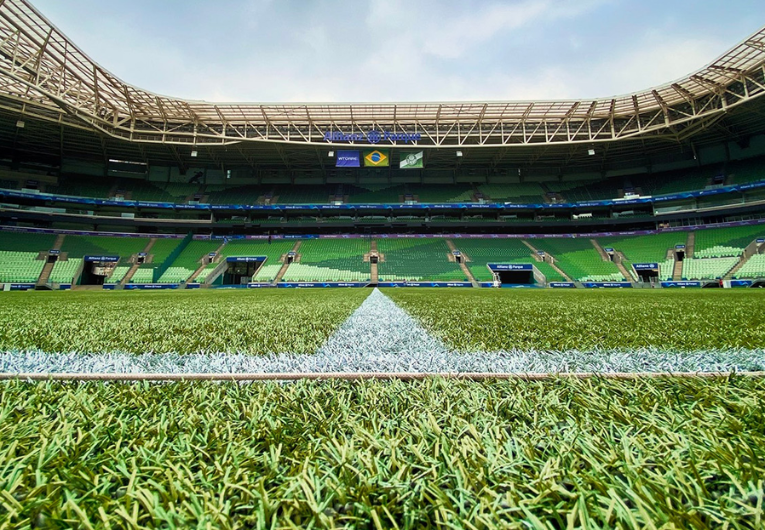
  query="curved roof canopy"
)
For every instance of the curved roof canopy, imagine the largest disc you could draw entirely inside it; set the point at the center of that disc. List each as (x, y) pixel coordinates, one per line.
(44, 75)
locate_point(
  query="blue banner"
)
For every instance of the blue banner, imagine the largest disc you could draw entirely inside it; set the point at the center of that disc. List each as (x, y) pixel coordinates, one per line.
(741, 283)
(681, 284)
(646, 266)
(150, 286)
(608, 285)
(511, 266)
(108, 259)
(319, 284)
(565, 285)
(245, 259)
(348, 159)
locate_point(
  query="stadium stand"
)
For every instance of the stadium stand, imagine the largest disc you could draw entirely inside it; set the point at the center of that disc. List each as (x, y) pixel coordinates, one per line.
(416, 259)
(530, 192)
(160, 251)
(331, 260)
(725, 242)
(375, 195)
(484, 251)
(579, 259)
(247, 247)
(708, 268)
(441, 193)
(18, 256)
(237, 195)
(187, 261)
(753, 268)
(311, 194)
(118, 273)
(64, 271)
(80, 246)
(647, 249)
(19, 267)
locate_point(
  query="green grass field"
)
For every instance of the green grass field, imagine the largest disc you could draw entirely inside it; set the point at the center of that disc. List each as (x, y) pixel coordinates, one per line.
(180, 321)
(468, 319)
(561, 453)
(663, 453)
(299, 321)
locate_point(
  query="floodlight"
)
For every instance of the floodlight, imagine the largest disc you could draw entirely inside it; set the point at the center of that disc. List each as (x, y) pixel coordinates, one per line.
(331, 154)
(591, 152)
(194, 153)
(20, 124)
(459, 153)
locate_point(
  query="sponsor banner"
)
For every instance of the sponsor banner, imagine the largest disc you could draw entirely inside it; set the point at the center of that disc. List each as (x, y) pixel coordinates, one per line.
(486, 284)
(519, 286)
(319, 284)
(681, 284)
(64, 286)
(259, 285)
(645, 266)
(760, 241)
(562, 285)
(609, 285)
(511, 266)
(193, 285)
(22, 286)
(109, 286)
(425, 284)
(741, 283)
(680, 247)
(348, 159)
(376, 158)
(608, 249)
(373, 136)
(54, 252)
(106, 259)
(150, 286)
(412, 160)
(245, 259)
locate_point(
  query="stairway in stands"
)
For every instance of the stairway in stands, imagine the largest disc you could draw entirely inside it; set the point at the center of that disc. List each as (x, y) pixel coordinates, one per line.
(42, 280)
(463, 265)
(552, 264)
(135, 266)
(286, 264)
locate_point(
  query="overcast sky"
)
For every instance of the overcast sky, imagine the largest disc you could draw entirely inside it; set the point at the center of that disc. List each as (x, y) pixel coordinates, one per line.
(402, 50)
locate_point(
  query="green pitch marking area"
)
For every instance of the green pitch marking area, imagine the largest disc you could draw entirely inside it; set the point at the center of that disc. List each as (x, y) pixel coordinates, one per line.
(657, 453)
(684, 320)
(251, 322)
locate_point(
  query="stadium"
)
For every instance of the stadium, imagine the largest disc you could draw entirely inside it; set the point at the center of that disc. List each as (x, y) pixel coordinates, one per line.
(518, 314)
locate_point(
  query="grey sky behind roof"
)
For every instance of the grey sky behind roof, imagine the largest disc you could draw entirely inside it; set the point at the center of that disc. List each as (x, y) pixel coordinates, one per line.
(396, 50)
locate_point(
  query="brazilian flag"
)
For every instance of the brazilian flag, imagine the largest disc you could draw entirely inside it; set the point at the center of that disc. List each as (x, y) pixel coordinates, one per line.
(376, 158)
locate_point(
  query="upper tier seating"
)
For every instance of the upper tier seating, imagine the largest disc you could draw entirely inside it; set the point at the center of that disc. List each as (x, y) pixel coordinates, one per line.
(527, 192)
(336, 260)
(416, 260)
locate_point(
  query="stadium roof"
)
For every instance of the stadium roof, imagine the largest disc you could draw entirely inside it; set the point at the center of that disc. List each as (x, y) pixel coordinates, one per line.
(46, 77)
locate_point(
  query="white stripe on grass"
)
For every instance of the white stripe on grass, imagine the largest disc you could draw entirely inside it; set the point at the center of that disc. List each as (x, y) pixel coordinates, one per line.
(381, 337)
